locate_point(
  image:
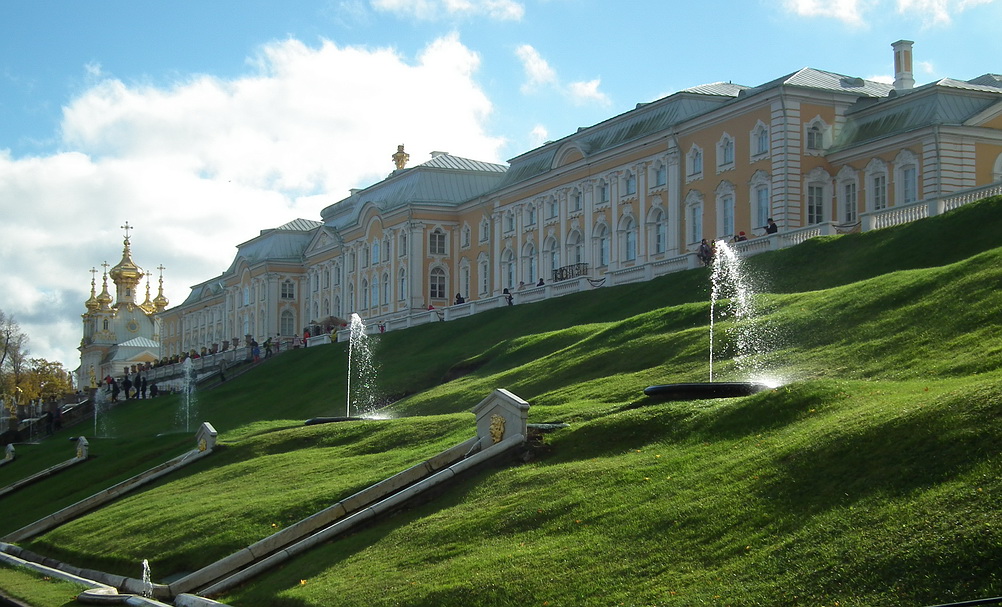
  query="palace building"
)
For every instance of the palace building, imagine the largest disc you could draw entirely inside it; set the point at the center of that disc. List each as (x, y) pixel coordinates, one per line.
(624, 200)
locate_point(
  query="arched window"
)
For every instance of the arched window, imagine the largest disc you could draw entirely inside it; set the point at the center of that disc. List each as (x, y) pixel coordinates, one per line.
(467, 235)
(375, 252)
(386, 289)
(485, 230)
(402, 283)
(364, 292)
(436, 283)
(375, 291)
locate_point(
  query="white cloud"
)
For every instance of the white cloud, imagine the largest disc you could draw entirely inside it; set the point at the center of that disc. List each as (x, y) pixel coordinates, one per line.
(501, 10)
(203, 165)
(538, 72)
(847, 11)
(587, 92)
(539, 135)
(540, 75)
(936, 12)
(854, 12)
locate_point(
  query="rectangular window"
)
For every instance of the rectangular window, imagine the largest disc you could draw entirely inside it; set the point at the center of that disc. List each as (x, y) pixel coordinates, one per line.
(762, 206)
(879, 193)
(695, 223)
(437, 285)
(603, 193)
(761, 142)
(849, 203)
(727, 219)
(815, 204)
(288, 290)
(577, 201)
(436, 243)
(908, 175)
(661, 176)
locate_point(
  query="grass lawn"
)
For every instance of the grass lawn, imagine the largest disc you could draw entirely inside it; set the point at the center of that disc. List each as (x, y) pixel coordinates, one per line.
(871, 476)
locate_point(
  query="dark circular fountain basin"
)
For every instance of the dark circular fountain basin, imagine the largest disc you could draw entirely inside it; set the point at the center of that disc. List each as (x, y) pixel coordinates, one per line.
(700, 390)
(330, 420)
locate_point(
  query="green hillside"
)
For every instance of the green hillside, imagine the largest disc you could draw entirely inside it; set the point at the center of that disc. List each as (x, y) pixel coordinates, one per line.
(871, 476)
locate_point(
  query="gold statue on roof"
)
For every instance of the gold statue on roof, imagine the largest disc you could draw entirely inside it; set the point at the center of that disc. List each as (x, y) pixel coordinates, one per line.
(401, 157)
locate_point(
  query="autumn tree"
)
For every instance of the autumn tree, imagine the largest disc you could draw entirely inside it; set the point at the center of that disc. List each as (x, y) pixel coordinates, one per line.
(13, 354)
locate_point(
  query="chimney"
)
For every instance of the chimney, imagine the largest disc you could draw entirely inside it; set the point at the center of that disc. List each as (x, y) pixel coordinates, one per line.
(903, 79)
(436, 154)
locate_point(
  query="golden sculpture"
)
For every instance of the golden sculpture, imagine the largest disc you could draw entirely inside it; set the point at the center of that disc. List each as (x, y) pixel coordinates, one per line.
(401, 157)
(202, 445)
(497, 428)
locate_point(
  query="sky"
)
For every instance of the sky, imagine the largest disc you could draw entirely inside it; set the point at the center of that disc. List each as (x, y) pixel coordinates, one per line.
(203, 122)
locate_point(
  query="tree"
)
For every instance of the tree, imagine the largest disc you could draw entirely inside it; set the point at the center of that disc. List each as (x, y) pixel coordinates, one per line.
(46, 380)
(13, 354)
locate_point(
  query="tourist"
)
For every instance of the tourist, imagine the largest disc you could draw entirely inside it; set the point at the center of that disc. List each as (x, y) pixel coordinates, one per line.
(255, 350)
(222, 370)
(459, 299)
(267, 347)
(306, 337)
(771, 227)
(114, 390)
(740, 237)
(154, 390)
(540, 283)
(508, 297)
(142, 388)
(705, 253)
(127, 386)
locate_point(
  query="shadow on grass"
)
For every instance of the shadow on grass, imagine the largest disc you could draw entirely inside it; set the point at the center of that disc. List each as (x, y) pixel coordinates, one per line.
(895, 458)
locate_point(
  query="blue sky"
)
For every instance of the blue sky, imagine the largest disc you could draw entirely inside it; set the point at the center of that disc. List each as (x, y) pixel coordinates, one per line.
(203, 122)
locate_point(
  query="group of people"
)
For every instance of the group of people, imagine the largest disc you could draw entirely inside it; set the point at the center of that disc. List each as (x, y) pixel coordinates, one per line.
(137, 388)
(707, 250)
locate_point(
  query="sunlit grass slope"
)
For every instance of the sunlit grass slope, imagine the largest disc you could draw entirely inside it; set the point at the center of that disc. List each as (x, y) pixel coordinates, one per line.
(871, 478)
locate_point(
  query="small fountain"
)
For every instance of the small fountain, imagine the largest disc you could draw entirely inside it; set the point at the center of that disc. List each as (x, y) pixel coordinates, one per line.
(731, 294)
(362, 398)
(102, 403)
(147, 580)
(361, 395)
(188, 401)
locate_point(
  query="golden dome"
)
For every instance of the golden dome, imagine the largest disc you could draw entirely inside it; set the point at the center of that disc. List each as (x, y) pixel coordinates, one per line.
(126, 272)
(92, 304)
